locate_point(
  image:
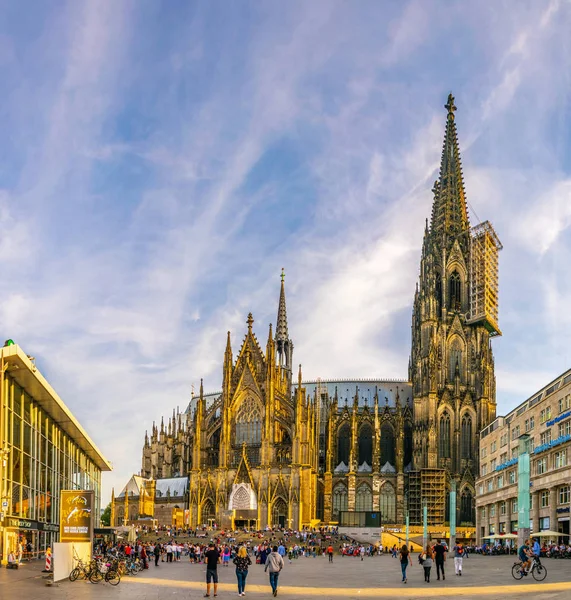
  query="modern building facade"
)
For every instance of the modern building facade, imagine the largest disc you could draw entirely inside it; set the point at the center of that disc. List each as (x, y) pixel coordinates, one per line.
(273, 449)
(546, 418)
(44, 450)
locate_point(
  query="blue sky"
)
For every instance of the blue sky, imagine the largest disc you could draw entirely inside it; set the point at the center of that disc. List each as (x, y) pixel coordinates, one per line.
(161, 161)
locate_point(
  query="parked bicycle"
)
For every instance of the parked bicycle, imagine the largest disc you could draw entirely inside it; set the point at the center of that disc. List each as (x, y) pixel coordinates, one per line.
(538, 571)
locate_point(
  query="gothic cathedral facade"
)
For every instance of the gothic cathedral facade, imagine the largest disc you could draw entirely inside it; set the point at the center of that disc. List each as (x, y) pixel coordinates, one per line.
(272, 449)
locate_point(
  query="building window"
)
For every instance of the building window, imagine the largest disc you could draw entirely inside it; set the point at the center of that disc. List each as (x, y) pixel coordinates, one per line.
(511, 476)
(560, 459)
(492, 529)
(484, 452)
(526, 425)
(503, 457)
(364, 498)
(490, 485)
(514, 506)
(500, 482)
(467, 436)
(455, 291)
(515, 432)
(531, 444)
(502, 527)
(445, 435)
(492, 510)
(339, 499)
(531, 423)
(484, 469)
(494, 447)
(504, 440)
(544, 524)
(343, 444)
(466, 507)
(483, 513)
(565, 403)
(565, 428)
(545, 437)
(493, 464)
(502, 508)
(480, 489)
(249, 423)
(531, 504)
(544, 498)
(540, 466)
(387, 445)
(564, 494)
(545, 414)
(515, 452)
(388, 504)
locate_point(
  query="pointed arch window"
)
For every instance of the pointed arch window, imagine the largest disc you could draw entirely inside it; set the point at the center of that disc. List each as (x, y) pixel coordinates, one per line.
(444, 435)
(249, 423)
(388, 504)
(455, 291)
(366, 445)
(387, 445)
(343, 444)
(364, 498)
(466, 441)
(466, 507)
(340, 500)
(456, 357)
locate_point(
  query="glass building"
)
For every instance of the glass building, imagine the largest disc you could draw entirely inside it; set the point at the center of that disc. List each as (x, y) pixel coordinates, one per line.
(43, 450)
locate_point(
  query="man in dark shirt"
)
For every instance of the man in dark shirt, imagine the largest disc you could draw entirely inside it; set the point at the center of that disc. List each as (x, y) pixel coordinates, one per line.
(212, 559)
(439, 558)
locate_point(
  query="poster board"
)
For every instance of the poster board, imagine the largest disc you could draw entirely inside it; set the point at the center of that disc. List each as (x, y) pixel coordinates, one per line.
(76, 515)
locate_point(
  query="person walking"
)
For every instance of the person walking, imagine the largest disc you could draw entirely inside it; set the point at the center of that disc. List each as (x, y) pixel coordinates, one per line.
(242, 562)
(330, 553)
(439, 558)
(212, 557)
(458, 556)
(405, 560)
(275, 564)
(427, 563)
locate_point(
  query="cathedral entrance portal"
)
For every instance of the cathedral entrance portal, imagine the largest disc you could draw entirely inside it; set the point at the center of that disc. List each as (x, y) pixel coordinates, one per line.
(244, 504)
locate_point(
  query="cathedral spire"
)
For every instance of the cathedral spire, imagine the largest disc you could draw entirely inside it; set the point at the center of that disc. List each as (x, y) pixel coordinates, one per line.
(281, 324)
(449, 211)
(283, 343)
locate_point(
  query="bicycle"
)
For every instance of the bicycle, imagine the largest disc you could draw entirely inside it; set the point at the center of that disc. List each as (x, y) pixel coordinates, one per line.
(538, 571)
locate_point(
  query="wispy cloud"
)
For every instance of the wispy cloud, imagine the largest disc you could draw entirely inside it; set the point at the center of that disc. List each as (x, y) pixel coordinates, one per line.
(161, 168)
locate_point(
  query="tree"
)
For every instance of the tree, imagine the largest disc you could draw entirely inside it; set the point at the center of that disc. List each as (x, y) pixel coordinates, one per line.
(106, 516)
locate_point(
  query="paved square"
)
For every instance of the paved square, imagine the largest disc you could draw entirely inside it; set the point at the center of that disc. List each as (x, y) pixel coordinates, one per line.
(351, 578)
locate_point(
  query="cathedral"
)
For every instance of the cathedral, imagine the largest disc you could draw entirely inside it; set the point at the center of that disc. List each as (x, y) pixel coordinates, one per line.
(273, 449)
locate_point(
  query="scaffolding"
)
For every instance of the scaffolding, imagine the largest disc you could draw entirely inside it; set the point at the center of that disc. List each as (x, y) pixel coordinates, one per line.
(433, 489)
(484, 282)
(414, 498)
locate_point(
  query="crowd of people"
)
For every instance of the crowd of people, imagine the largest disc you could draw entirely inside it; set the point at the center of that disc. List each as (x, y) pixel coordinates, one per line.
(433, 555)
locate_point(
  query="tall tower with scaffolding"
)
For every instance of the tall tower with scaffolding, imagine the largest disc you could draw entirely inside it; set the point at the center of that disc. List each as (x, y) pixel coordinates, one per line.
(455, 313)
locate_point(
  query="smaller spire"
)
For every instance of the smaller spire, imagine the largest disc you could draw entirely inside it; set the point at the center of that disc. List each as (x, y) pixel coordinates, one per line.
(162, 424)
(299, 377)
(201, 388)
(250, 322)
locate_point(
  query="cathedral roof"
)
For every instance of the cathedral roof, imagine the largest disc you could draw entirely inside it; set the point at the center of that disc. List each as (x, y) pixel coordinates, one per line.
(347, 388)
(173, 486)
(133, 486)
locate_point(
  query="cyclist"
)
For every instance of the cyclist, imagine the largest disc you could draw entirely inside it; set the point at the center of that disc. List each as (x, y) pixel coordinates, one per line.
(525, 556)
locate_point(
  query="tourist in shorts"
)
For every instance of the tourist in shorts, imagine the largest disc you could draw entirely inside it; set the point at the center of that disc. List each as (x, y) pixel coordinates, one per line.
(212, 558)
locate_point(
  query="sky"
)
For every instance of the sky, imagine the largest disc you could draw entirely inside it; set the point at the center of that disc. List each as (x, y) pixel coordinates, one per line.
(160, 162)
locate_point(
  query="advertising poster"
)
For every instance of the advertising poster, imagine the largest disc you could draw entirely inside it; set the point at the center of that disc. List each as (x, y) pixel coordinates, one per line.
(76, 516)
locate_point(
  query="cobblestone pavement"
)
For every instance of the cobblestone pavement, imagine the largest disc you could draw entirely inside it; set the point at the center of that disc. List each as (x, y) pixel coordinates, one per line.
(351, 578)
